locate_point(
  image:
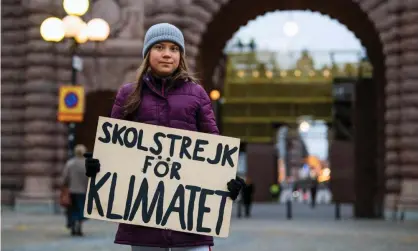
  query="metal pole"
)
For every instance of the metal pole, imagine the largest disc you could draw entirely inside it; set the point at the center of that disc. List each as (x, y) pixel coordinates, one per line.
(337, 211)
(72, 125)
(289, 198)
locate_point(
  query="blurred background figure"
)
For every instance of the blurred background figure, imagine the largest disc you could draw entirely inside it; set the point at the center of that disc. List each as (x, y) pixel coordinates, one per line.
(275, 192)
(75, 179)
(246, 198)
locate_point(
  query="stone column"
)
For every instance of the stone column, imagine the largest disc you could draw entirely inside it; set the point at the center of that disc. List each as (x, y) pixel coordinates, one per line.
(14, 21)
(109, 64)
(294, 150)
(40, 88)
(188, 15)
(390, 38)
(198, 14)
(409, 89)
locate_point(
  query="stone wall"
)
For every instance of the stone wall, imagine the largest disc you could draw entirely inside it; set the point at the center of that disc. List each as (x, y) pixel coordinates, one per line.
(13, 46)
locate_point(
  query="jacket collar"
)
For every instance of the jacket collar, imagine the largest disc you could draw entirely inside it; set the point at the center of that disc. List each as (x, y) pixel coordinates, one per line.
(159, 85)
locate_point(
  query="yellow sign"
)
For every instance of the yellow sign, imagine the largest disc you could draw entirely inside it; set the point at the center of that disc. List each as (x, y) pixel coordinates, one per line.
(71, 103)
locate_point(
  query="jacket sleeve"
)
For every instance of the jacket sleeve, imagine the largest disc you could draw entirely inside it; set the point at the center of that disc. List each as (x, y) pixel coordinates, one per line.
(117, 108)
(206, 118)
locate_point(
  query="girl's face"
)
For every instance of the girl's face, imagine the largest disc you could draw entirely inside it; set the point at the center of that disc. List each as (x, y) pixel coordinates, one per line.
(164, 58)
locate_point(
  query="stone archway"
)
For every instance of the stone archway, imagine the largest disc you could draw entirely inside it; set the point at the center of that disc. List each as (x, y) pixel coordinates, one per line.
(385, 27)
(234, 14)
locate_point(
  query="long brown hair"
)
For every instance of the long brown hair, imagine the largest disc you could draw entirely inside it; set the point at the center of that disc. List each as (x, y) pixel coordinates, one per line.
(134, 98)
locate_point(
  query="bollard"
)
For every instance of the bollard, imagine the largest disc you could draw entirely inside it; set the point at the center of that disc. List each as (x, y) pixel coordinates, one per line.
(337, 211)
(289, 209)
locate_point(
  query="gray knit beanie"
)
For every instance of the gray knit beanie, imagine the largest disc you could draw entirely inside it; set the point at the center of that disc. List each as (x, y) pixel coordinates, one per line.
(162, 32)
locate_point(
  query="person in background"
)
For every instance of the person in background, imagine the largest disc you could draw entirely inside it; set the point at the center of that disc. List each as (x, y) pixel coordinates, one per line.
(246, 198)
(275, 192)
(75, 179)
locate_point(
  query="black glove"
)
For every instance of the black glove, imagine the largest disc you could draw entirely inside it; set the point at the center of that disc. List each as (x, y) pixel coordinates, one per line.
(235, 186)
(92, 165)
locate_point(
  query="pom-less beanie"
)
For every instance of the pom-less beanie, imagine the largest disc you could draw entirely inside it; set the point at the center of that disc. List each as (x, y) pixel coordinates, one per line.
(162, 32)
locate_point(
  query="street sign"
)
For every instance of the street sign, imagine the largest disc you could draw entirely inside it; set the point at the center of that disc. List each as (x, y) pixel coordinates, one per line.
(71, 103)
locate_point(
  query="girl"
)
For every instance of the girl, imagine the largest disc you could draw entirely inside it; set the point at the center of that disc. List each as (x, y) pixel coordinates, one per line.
(164, 94)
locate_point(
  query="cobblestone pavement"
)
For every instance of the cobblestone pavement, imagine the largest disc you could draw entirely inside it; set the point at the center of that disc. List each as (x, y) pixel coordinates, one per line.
(267, 230)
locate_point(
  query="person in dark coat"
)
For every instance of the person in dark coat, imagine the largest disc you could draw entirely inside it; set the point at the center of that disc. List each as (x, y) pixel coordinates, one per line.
(164, 94)
(246, 198)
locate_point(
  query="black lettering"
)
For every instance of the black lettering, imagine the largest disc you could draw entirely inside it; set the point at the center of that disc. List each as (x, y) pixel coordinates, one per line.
(166, 169)
(198, 148)
(109, 213)
(106, 132)
(157, 141)
(173, 138)
(217, 155)
(147, 163)
(116, 136)
(139, 146)
(190, 209)
(94, 195)
(224, 195)
(185, 143)
(142, 196)
(132, 143)
(178, 195)
(227, 155)
(202, 210)
(175, 170)
(129, 197)
(157, 201)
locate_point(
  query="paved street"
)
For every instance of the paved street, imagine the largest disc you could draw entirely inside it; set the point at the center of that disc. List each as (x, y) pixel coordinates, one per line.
(268, 230)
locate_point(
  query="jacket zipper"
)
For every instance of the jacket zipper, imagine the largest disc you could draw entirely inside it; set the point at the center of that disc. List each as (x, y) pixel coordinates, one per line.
(162, 87)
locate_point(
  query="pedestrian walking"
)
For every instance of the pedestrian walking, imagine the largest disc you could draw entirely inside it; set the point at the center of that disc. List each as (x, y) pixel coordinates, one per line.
(75, 179)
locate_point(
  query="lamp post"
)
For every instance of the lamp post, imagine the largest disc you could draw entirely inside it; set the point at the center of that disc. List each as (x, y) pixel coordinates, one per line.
(73, 27)
(215, 96)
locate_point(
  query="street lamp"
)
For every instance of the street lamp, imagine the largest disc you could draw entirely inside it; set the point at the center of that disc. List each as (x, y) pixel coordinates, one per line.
(215, 96)
(74, 28)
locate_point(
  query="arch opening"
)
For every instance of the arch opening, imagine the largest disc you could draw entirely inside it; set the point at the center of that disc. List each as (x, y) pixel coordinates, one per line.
(236, 13)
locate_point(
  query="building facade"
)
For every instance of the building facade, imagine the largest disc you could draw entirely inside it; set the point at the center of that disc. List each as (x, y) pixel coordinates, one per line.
(34, 144)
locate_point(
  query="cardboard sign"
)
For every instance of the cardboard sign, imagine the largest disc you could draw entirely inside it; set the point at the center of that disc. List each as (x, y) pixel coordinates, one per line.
(162, 177)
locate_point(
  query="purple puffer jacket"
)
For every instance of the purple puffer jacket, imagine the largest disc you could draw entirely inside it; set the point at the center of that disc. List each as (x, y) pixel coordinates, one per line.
(187, 106)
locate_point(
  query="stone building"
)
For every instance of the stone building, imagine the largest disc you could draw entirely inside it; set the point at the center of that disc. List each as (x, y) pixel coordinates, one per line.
(33, 144)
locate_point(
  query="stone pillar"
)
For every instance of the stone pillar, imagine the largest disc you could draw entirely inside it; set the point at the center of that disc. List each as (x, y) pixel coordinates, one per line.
(14, 22)
(390, 38)
(408, 56)
(109, 64)
(295, 147)
(188, 15)
(261, 168)
(40, 88)
(198, 15)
